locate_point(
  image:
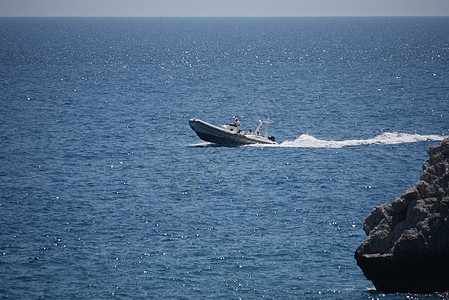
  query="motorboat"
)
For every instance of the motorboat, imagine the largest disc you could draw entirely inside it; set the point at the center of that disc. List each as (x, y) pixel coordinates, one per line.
(230, 134)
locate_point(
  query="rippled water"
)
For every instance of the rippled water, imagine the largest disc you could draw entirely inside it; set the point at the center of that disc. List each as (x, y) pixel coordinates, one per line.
(106, 191)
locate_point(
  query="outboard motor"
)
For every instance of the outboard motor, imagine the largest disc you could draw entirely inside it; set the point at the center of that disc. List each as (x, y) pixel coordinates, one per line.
(272, 138)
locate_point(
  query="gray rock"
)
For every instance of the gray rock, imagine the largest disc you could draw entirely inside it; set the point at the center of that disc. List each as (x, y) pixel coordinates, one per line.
(399, 205)
(378, 214)
(407, 248)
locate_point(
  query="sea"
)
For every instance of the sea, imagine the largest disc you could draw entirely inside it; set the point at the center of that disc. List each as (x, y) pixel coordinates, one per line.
(106, 192)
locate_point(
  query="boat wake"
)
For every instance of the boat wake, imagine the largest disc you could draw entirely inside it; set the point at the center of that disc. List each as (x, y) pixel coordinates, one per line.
(385, 138)
(203, 144)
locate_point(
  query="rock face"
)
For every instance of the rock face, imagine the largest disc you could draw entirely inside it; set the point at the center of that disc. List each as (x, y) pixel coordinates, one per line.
(407, 249)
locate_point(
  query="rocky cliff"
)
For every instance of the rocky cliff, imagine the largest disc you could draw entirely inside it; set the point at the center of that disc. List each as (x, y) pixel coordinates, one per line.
(407, 249)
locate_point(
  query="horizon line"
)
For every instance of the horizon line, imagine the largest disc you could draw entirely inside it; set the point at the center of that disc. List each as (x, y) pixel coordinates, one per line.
(223, 17)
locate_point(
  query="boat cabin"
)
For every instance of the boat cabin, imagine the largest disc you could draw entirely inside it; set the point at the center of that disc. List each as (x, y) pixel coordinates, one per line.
(233, 127)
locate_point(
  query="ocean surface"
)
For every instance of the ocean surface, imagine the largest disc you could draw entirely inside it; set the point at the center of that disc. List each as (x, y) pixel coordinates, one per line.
(106, 192)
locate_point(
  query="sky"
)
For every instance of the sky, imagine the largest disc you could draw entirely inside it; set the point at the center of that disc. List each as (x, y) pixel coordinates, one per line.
(221, 8)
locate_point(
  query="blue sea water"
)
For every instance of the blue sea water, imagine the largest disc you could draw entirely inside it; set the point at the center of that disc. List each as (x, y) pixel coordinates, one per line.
(107, 192)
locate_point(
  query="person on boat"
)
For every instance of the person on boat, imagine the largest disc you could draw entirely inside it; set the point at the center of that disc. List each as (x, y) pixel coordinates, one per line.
(257, 133)
(250, 132)
(237, 123)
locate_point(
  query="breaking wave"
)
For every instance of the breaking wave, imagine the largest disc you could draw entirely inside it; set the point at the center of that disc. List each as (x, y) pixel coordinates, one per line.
(385, 138)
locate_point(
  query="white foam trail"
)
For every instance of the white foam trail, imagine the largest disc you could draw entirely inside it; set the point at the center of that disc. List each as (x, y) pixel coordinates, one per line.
(385, 138)
(201, 144)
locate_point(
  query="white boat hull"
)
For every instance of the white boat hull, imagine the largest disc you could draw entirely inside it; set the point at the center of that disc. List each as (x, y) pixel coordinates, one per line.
(222, 136)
